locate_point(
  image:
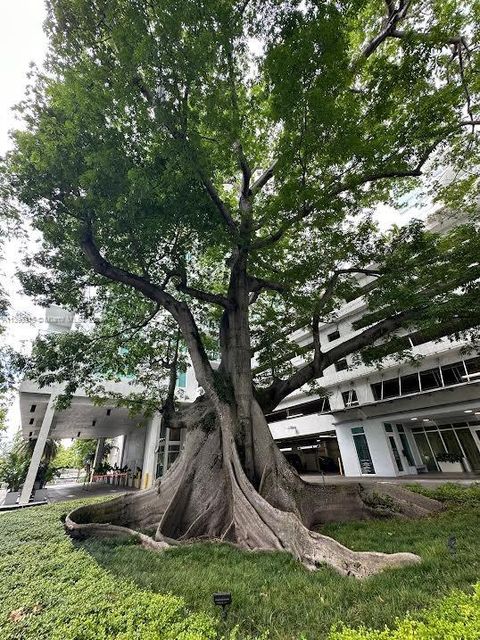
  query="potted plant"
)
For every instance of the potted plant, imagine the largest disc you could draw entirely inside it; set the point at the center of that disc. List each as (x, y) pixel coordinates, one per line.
(450, 462)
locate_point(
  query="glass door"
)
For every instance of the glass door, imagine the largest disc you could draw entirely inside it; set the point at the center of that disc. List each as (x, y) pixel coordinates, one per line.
(363, 451)
(396, 453)
(406, 449)
(470, 447)
(425, 451)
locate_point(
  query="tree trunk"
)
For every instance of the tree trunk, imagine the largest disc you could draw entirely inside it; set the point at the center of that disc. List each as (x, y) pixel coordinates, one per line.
(207, 495)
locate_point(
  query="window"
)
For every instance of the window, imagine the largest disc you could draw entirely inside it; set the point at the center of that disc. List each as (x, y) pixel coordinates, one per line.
(350, 398)
(391, 388)
(321, 405)
(31, 421)
(109, 411)
(410, 384)
(363, 451)
(182, 379)
(473, 368)
(341, 365)
(453, 373)
(388, 427)
(32, 408)
(377, 390)
(430, 379)
(333, 336)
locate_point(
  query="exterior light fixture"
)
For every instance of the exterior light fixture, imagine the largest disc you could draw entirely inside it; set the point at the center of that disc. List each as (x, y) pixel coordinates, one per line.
(426, 420)
(413, 419)
(468, 411)
(223, 599)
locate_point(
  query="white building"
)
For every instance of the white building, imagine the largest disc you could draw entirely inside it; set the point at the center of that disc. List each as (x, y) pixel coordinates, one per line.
(393, 421)
(398, 420)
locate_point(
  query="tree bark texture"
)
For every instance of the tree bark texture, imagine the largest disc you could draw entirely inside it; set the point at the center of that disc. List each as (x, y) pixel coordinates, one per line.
(206, 494)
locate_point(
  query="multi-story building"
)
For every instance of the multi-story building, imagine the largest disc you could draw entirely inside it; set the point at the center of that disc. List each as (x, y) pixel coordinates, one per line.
(392, 421)
(398, 420)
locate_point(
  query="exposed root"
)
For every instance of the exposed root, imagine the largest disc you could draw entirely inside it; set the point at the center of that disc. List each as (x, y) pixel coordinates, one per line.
(206, 495)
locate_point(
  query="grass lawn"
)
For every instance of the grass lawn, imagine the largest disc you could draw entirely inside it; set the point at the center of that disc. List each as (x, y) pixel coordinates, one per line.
(47, 581)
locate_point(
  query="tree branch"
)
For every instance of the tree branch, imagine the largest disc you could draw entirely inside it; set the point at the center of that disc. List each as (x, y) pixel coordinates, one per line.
(215, 198)
(245, 168)
(257, 285)
(280, 389)
(204, 179)
(203, 296)
(395, 15)
(133, 329)
(179, 310)
(261, 181)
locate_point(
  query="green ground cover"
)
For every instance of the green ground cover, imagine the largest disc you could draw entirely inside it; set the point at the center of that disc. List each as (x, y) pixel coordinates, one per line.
(52, 588)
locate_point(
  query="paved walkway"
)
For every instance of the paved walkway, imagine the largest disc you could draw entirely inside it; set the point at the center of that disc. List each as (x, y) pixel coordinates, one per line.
(429, 479)
(73, 491)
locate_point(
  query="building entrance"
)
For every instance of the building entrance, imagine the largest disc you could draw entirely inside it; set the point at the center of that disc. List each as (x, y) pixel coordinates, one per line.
(458, 438)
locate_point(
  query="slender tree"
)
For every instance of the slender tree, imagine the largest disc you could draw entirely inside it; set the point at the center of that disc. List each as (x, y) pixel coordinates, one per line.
(214, 164)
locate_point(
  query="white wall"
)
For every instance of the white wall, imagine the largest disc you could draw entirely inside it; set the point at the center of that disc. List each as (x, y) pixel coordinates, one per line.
(377, 443)
(115, 455)
(134, 447)
(303, 425)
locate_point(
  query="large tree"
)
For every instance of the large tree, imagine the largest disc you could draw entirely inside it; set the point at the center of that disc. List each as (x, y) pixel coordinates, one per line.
(212, 166)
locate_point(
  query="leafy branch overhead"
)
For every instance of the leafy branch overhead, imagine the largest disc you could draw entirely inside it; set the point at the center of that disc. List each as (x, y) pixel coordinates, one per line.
(168, 142)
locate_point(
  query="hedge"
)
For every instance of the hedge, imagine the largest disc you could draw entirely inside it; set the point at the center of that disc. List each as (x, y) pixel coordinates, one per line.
(456, 617)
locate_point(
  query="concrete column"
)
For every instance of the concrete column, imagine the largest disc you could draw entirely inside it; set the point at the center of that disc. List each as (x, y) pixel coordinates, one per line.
(38, 450)
(151, 441)
(98, 453)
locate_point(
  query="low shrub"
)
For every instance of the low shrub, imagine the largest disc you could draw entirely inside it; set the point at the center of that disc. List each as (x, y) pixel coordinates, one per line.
(457, 617)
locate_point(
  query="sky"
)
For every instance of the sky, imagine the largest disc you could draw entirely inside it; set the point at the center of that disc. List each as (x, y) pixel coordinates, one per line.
(22, 42)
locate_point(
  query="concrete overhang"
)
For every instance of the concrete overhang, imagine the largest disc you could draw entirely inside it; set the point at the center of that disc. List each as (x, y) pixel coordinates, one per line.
(91, 421)
(448, 403)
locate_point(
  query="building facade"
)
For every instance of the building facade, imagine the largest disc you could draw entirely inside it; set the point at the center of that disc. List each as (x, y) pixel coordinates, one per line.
(401, 419)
